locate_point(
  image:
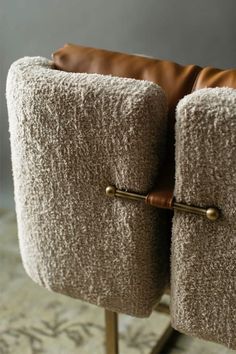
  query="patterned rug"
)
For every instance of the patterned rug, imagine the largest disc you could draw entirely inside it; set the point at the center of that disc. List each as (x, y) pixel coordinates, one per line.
(36, 321)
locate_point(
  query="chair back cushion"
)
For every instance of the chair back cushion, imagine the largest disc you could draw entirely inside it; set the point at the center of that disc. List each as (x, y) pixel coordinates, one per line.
(203, 265)
(72, 135)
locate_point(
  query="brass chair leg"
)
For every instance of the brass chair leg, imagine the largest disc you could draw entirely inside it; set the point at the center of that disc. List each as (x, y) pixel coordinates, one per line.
(112, 335)
(162, 340)
(111, 319)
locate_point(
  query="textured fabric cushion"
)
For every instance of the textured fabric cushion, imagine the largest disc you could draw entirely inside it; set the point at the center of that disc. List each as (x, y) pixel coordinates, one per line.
(203, 280)
(71, 136)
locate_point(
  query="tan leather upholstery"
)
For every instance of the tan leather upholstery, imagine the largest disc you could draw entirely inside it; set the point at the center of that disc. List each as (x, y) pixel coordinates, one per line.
(212, 77)
(175, 79)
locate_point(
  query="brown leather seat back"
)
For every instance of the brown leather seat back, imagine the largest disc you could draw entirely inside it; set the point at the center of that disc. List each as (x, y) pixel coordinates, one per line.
(175, 79)
(212, 77)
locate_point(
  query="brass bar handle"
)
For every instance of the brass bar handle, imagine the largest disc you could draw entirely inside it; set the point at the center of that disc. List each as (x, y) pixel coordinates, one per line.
(211, 213)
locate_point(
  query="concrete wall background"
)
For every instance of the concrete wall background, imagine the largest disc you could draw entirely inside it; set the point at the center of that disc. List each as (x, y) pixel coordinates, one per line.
(201, 32)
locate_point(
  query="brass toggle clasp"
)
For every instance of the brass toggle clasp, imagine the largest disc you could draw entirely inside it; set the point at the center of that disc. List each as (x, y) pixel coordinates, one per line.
(211, 213)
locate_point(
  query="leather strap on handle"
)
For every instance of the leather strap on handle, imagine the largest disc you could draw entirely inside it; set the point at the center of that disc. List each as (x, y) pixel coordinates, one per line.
(162, 195)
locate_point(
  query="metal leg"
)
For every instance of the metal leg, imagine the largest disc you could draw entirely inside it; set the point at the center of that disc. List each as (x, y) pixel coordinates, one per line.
(111, 319)
(162, 341)
(112, 336)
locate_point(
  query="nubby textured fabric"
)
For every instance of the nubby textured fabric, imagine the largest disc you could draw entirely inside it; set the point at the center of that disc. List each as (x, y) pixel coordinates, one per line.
(71, 136)
(203, 263)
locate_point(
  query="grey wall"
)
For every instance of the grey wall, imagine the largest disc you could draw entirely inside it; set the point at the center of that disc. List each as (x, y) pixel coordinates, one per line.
(200, 32)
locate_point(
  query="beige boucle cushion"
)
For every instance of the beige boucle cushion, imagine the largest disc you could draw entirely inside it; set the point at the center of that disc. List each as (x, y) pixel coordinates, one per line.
(71, 136)
(203, 269)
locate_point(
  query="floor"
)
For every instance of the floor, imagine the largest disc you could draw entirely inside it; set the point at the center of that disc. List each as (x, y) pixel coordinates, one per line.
(36, 321)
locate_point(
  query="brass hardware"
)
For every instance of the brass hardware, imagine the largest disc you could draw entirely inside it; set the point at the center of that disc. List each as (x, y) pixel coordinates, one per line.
(111, 191)
(112, 335)
(210, 213)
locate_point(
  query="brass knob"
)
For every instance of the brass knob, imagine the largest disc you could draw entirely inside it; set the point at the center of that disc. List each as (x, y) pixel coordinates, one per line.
(111, 191)
(212, 214)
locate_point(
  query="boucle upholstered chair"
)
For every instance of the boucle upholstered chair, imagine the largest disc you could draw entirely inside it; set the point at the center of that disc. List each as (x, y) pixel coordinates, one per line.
(177, 81)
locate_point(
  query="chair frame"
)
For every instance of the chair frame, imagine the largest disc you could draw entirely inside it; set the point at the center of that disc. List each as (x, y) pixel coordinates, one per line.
(112, 332)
